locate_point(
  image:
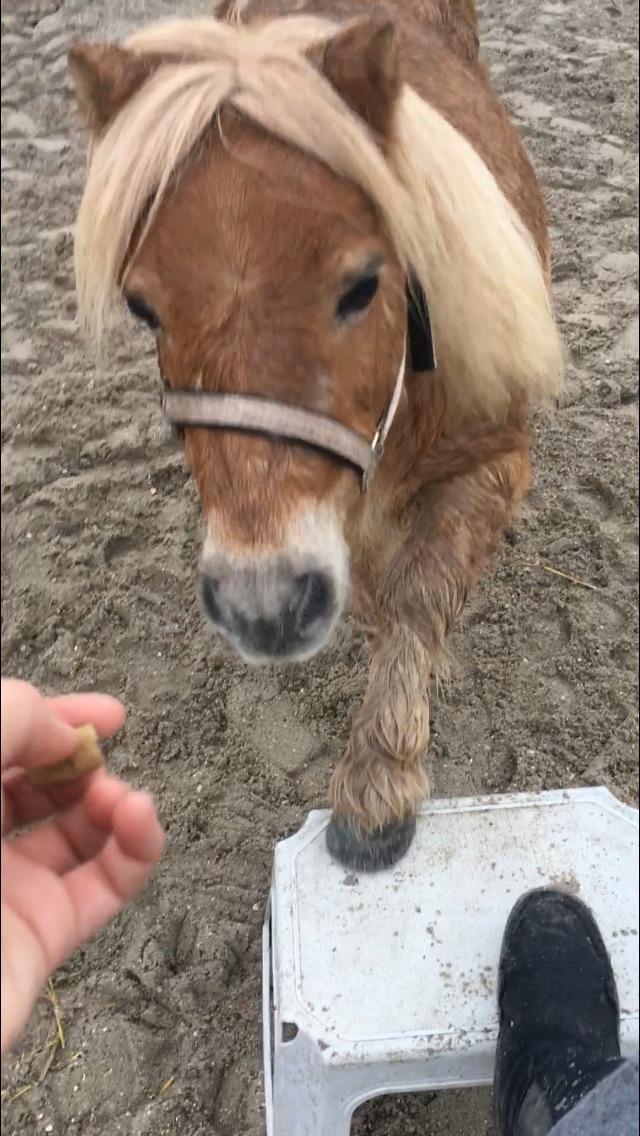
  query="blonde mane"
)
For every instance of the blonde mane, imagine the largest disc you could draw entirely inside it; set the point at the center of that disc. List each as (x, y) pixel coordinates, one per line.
(450, 223)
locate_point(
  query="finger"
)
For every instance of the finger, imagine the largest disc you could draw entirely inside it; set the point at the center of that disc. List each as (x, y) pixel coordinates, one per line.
(107, 714)
(24, 804)
(78, 833)
(56, 914)
(101, 888)
(104, 794)
(31, 730)
(38, 730)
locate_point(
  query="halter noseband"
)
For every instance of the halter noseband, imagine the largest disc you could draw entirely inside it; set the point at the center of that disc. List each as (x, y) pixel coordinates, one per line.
(253, 414)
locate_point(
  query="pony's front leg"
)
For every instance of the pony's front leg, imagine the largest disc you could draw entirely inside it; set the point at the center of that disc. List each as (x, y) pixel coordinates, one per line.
(378, 786)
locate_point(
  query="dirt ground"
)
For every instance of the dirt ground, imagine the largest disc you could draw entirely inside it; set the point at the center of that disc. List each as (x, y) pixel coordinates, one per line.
(100, 528)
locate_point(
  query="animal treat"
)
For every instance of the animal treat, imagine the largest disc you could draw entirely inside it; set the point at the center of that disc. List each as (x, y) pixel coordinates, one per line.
(86, 758)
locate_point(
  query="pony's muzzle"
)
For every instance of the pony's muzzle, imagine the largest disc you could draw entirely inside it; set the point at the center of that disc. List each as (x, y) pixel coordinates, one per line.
(271, 611)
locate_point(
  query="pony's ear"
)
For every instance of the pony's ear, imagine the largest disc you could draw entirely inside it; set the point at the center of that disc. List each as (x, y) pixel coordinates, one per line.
(104, 77)
(362, 63)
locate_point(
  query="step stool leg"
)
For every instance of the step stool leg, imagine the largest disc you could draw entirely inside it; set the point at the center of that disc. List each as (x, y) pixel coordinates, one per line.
(307, 1100)
(309, 1117)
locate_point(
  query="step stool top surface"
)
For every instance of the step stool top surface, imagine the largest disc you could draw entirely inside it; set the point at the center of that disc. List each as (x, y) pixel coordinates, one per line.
(405, 960)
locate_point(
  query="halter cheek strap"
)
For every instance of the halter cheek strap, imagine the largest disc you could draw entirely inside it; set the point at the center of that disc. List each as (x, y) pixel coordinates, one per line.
(386, 422)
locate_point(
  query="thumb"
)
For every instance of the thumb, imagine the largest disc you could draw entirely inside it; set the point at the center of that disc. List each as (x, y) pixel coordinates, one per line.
(32, 733)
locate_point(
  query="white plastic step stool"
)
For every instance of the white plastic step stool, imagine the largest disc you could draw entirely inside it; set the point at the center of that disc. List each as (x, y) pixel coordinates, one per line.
(387, 982)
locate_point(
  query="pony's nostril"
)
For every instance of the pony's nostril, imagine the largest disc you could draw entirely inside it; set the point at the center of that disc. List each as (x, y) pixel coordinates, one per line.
(312, 599)
(209, 596)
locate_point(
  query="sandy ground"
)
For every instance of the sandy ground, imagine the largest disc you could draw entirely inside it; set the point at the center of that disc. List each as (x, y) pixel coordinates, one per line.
(161, 1013)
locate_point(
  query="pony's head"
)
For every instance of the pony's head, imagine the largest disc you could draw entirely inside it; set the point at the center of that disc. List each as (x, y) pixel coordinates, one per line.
(253, 196)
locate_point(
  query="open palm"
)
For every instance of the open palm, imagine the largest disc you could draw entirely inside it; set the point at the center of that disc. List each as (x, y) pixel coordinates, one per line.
(92, 849)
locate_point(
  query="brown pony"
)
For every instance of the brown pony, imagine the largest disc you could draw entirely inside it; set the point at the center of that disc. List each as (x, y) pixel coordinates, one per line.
(302, 199)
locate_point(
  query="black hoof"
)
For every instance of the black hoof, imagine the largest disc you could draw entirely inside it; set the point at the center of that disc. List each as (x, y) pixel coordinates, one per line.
(365, 851)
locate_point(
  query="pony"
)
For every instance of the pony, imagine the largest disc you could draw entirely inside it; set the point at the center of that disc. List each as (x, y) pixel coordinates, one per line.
(325, 216)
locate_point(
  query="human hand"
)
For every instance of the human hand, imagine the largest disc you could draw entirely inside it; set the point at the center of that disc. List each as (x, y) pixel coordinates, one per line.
(67, 877)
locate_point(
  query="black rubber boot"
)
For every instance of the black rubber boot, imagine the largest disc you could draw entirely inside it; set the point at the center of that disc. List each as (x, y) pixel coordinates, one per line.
(559, 1015)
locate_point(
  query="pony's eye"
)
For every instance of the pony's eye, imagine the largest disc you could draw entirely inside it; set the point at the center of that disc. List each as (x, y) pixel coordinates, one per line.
(358, 297)
(142, 311)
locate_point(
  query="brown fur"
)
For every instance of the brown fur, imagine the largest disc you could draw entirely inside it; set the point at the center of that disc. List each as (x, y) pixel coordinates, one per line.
(239, 262)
